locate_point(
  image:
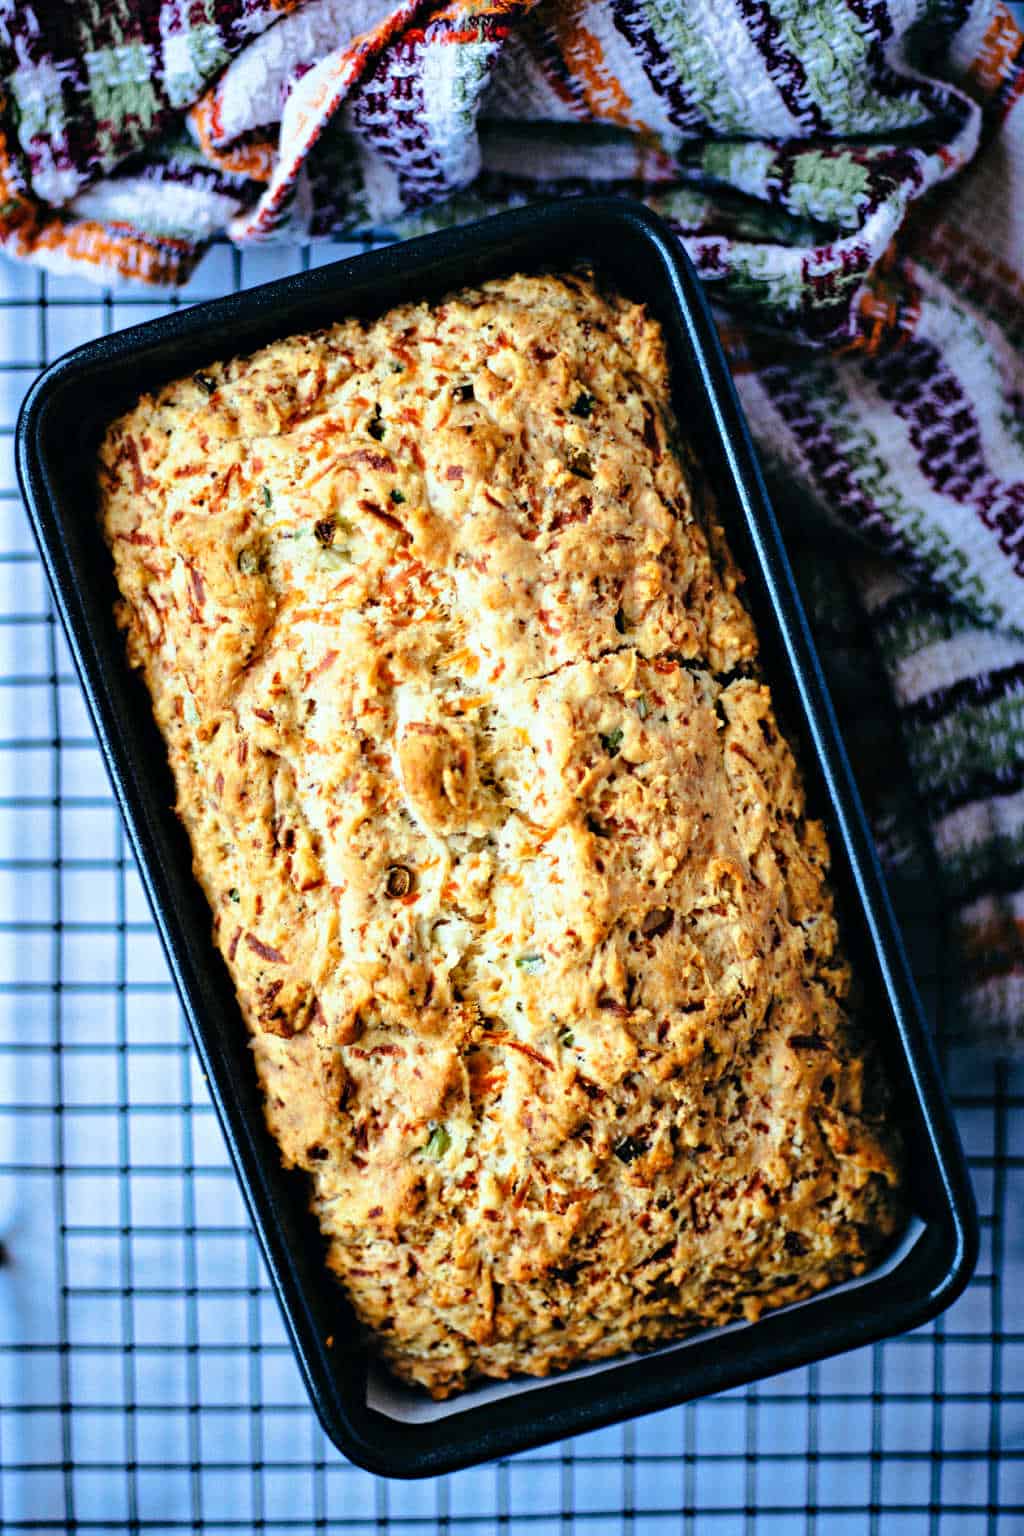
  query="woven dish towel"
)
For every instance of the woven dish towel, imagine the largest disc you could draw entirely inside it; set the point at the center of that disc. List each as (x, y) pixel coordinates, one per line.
(848, 176)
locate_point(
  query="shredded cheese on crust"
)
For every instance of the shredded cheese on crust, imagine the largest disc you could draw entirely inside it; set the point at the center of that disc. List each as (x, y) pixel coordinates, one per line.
(507, 857)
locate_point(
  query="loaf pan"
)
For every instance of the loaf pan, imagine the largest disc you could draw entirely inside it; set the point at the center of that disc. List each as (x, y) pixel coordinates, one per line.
(389, 1430)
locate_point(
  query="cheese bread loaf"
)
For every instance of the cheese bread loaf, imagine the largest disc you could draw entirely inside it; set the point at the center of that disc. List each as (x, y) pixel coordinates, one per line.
(506, 854)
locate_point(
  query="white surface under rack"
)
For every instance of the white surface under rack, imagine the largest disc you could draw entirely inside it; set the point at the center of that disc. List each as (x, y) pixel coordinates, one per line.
(145, 1380)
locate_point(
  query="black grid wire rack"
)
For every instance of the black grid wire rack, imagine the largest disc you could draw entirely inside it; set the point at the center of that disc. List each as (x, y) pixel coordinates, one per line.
(145, 1380)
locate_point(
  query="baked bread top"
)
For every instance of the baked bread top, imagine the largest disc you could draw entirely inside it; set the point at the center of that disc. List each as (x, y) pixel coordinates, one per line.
(507, 856)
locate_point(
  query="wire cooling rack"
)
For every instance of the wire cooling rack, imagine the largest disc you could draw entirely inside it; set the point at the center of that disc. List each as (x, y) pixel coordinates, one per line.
(145, 1380)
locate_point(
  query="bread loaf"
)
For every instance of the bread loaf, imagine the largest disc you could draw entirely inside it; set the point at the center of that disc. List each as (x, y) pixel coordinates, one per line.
(506, 854)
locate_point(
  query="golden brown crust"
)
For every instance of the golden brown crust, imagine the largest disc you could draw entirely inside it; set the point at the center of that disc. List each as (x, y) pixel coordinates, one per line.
(507, 857)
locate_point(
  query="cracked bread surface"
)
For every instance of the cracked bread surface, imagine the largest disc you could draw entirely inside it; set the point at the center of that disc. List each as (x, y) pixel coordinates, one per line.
(507, 857)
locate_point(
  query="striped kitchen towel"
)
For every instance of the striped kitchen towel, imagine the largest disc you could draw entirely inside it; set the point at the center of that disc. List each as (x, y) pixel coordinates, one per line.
(848, 176)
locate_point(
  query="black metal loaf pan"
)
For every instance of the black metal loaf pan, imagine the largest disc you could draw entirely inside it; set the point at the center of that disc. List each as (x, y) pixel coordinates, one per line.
(60, 425)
